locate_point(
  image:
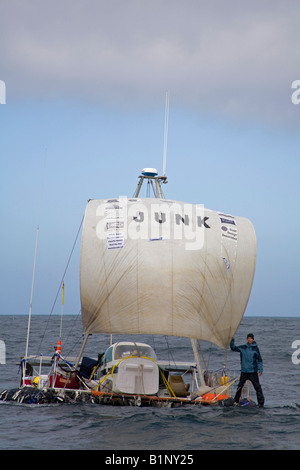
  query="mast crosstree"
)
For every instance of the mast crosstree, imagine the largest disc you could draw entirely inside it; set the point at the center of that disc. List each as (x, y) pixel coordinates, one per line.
(151, 176)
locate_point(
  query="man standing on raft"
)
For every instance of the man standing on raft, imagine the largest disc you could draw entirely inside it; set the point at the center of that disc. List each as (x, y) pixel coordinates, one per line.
(251, 367)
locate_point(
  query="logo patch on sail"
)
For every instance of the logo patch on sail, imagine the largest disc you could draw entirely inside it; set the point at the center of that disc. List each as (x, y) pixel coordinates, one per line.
(228, 226)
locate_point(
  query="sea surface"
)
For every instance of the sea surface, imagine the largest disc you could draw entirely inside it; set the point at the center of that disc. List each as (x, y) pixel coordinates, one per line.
(83, 426)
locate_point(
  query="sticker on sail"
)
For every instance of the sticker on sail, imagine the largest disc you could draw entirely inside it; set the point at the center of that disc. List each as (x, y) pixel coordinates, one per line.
(117, 224)
(115, 240)
(114, 222)
(114, 214)
(113, 204)
(228, 226)
(226, 220)
(230, 233)
(227, 263)
(155, 239)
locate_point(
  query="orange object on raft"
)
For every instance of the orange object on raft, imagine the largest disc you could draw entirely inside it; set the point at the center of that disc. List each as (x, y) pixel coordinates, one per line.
(214, 397)
(58, 347)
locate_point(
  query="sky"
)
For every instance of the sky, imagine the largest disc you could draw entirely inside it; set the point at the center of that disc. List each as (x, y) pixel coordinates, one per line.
(83, 114)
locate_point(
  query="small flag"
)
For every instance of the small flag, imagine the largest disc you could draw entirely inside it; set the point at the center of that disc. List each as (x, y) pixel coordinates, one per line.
(63, 293)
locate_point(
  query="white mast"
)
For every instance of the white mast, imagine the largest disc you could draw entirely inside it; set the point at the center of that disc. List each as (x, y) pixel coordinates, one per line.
(34, 265)
(31, 294)
(166, 132)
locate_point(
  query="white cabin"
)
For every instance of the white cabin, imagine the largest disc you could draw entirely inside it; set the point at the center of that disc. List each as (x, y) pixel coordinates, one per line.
(130, 368)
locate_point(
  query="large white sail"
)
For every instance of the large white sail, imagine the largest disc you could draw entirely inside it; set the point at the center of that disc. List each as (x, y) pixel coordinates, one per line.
(154, 266)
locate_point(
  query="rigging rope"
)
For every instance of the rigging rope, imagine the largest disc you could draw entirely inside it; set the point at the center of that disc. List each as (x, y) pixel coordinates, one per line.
(61, 282)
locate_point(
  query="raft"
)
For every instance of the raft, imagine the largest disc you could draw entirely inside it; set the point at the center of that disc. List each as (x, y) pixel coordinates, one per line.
(32, 395)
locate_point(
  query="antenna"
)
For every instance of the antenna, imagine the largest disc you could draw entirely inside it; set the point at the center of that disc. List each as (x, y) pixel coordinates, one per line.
(151, 174)
(166, 131)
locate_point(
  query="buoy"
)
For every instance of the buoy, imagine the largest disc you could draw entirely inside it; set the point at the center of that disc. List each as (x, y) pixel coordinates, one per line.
(221, 397)
(58, 347)
(213, 397)
(208, 396)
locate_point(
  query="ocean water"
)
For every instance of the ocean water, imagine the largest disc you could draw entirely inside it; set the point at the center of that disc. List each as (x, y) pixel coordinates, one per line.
(83, 426)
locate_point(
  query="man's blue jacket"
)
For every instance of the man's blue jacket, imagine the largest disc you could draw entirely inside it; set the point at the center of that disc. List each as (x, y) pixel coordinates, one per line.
(251, 360)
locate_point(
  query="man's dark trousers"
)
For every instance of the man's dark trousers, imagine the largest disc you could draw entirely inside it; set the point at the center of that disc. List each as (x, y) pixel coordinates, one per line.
(253, 377)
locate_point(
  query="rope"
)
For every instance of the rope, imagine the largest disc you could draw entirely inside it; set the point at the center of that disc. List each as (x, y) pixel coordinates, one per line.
(70, 331)
(167, 384)
(61, 282)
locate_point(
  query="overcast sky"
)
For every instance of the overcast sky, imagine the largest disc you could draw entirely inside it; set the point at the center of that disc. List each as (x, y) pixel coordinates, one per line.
(84, 113)
(233, 57)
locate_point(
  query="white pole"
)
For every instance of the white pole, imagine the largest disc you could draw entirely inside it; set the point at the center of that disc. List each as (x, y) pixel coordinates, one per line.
(31, 295)
(34, 265)
(200, 371)
(166, 132)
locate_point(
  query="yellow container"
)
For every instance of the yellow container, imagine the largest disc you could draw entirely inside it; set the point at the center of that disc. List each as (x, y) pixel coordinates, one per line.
(224, 380)
(36, 381)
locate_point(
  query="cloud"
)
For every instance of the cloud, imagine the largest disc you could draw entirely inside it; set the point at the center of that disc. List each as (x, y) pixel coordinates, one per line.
(234, 58)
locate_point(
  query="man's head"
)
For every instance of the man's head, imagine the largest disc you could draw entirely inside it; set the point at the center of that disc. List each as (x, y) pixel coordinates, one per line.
(250, 338)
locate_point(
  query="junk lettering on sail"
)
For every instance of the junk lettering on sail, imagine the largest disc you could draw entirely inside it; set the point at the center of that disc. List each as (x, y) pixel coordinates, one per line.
(136, 219)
